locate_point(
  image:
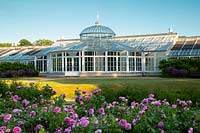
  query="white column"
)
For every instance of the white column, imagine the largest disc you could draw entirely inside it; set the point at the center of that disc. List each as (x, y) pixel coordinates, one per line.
(106, 61)
(143, 62)
(154, 61)
(127, 61)
(35, 65)
(56, 63)
(83, 61)
(79, 61)
(72, 64)
(117, 62)
(135, 60)
(63, 62)
(94, 63)
(50, 65)
(42, 63)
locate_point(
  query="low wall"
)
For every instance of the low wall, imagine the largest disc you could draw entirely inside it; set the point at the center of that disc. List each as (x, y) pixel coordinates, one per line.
(118, 74)
(101, 74)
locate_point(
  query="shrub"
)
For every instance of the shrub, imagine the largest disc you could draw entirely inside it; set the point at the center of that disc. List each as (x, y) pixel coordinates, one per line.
(16, 69)
(179, 67)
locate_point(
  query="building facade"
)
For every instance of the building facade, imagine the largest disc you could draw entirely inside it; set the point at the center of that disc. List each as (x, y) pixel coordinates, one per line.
(99, 52)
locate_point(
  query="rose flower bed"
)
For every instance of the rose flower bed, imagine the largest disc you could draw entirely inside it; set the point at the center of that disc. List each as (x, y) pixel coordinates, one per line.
(35, 111)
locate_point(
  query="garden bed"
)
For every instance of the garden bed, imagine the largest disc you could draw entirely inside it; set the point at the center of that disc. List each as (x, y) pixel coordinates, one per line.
(27, 109)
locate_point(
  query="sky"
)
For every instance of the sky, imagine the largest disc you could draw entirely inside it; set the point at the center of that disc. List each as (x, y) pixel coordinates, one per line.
(51, 19)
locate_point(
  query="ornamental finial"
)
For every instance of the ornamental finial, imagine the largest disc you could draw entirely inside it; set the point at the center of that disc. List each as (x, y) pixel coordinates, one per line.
(97, 18)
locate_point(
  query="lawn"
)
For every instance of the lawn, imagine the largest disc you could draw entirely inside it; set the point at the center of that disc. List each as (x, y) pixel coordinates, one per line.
(135, 88)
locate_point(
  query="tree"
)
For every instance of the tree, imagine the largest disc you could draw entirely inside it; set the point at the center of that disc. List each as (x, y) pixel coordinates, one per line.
(43, 42)
(25, 42)
(5, 44)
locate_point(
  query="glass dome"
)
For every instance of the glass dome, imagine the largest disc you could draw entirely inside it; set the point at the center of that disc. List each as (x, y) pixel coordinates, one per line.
(96, 32)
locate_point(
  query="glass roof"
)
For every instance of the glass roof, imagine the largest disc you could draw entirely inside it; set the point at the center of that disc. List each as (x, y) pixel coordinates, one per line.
(136, 44)
(97, 31)
(97, 45)
(18, 56)
(150, 43)
(47, 50)
(185, 52)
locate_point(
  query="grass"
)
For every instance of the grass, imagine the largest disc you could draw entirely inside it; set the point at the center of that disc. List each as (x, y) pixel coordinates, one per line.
(135, 88)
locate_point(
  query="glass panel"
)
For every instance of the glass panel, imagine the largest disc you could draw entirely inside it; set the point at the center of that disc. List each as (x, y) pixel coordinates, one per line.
(149, 64)
(138, 64)
(76, 64)
(138, 54)
(131, 64)
(89, 64)
(45, 65)
(69, 64)
(123, 53)
(72, 53)
(158, 59)
(53, 55)
(39, 57)
(111, 63)
(99, 64)
(122, 64)
(54, 64)
(111, 53)
(131, 53)
(100, 53)
(59, 54)
(89, 53)
(39, 65)
(149, 54)
(59, 64)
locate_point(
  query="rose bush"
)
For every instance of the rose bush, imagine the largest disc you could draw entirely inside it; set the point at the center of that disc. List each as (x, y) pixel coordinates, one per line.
(91, 113)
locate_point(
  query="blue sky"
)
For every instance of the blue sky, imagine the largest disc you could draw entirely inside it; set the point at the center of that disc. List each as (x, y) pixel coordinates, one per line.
(49, 19)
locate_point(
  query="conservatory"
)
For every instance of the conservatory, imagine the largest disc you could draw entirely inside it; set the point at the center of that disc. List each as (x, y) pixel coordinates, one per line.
(99, 52)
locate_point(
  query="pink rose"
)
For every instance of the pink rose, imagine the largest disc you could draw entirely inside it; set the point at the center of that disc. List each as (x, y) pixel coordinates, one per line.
(34, 105)
(91, 111)
(96, 122)
(174, 106)
(160, 124)
(123, 122)
(57, 110)
(8, 130)
(7, 117)
(17, 129)
(84, 121)
(98, 131)
(128, 126)
(32, 113)
(25, 102)
(101, 111)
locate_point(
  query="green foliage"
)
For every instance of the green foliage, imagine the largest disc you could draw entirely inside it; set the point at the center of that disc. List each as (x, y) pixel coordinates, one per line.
(170, 91)
(28, 91)
(5, 66)
(25, 42)
(85, 102)
(43, 42)
(3, 88)
(5, 44)
(190, 65)
(37, 113)
(16, 69)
